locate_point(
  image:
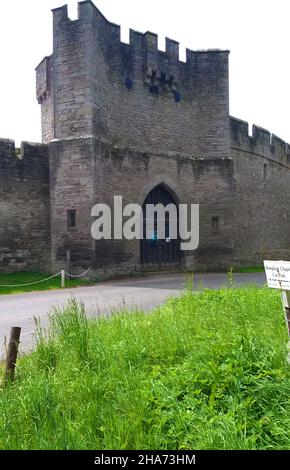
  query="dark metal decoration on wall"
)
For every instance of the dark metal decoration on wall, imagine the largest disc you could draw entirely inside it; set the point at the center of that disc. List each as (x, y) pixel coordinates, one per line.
(161, 83)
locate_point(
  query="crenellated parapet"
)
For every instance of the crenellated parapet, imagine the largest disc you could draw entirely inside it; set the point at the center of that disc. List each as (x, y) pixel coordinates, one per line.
(29, 161)
(7, 148)
(133, 95)
(261, 142)
(162, 71)
(87, 11)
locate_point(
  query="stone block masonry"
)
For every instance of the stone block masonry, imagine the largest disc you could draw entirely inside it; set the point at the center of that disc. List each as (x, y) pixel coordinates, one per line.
(132, 95)
(85, 171)
(24, 207)
(122, 120)
(262, 194)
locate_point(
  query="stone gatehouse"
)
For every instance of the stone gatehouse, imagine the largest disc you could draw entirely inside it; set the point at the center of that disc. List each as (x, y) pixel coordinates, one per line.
(130, 120)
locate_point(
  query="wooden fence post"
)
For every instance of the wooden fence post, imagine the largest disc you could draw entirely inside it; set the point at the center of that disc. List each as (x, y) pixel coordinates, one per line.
(12, 351)
(286, 305)
(278, 277)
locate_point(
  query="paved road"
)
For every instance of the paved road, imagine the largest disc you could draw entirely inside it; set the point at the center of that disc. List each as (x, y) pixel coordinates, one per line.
(142, 293)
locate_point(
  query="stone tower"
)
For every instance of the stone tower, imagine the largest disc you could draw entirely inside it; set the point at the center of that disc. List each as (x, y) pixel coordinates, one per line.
(123, 119)
(129, 120)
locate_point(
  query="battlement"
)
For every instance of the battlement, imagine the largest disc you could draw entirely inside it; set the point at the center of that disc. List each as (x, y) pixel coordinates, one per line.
(95, 84)
(7, 148)
(32, 156)
(260, 142)
(140, 42)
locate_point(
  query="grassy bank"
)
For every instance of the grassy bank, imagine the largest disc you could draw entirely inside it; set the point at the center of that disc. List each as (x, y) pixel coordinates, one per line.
(205, 371)
(18, 279)
(249, 269)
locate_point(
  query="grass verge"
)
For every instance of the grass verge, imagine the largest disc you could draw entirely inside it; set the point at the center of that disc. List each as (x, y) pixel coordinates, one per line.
(205, 371)
(30, 277)
(249, 269)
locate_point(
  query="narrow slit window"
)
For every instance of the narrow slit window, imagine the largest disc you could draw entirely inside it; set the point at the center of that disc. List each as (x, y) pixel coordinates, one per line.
(215, 224)
(71, 219)
(265, 172)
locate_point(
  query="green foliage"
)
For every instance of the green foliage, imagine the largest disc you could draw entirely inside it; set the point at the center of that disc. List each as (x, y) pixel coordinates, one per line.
(248, 269)
(30, 277)
(205, 371)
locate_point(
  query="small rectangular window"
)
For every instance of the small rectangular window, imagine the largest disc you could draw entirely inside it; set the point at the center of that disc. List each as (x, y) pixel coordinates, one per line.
(71, 219)
(265, 172)
(215, 225)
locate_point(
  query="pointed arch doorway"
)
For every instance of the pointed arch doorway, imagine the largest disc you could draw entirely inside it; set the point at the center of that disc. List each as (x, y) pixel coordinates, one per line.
(155, 251)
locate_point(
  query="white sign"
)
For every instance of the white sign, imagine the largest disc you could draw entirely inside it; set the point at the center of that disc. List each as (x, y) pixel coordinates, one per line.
(278, 274)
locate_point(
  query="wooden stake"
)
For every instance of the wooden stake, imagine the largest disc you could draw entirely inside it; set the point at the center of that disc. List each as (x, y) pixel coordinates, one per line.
(286, 305)
(12, 351)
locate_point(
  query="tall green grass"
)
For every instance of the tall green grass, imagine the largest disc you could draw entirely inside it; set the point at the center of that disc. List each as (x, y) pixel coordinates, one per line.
(205, 371)
(249, 269)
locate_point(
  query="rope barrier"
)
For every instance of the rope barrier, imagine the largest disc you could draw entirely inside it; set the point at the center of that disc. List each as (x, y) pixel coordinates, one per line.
(31, 283)
(80, 275)
(44, 280)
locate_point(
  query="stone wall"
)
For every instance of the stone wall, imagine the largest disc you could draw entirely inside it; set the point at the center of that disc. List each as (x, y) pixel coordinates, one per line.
(262, 179)
(127, 117)
(121, 119)
(44, 95)
(24, 207)
(133, 95)
(85, 172)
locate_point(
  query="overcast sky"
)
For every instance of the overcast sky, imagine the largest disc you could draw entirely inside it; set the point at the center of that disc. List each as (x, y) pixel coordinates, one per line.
(255, 31)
